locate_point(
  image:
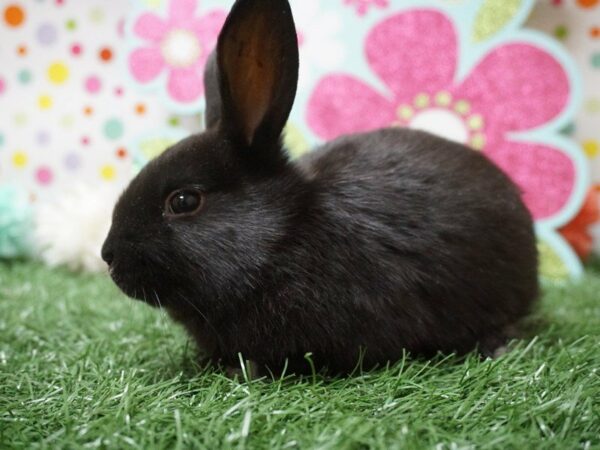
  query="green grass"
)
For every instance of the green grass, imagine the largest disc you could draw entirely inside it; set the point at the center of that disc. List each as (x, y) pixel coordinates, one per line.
(83, 367)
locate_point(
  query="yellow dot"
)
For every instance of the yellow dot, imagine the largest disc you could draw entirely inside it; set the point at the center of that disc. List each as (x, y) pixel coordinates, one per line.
(58, 73)
(45, 101)
(462, 107)
(67, 121)
(592, 106)
(478, 141)
(108, 172)
(295, 142)
(405, 112)
(475, 122)
(20, 119)
(422, 100)
(19, 159)
(443, 98)
(591, 148)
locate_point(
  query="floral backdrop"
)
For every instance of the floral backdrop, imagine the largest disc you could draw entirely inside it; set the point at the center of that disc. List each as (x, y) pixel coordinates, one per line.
(92, 89)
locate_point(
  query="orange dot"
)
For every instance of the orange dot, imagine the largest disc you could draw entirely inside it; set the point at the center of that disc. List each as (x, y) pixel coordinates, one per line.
(587, 3)
(21, 50)
(140, 108)
(595, 32)
(14, 15)
(105, 54)
(122, 153)
(88, 110)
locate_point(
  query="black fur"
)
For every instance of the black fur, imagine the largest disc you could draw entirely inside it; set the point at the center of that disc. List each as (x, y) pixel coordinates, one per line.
(376, 243)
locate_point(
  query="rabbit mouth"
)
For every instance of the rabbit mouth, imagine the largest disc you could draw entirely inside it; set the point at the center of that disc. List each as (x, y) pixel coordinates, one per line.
(132, 288)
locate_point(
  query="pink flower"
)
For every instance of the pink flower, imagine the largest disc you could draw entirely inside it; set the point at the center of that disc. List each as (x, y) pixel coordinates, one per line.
(362, 6)
(515, 87)
(179, 45)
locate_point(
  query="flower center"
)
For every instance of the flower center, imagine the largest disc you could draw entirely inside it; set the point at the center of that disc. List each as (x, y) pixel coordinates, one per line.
(443, 123)
(181, 48)
(440, 114)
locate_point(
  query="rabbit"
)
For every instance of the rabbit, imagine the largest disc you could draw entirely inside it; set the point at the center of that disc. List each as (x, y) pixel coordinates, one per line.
(370, 246)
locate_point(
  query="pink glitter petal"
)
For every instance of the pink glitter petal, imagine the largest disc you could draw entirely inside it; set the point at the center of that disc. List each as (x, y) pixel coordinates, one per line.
(150, 27)
(545, 175)
(207, 28)
(517, 87)
(185, 85)
(146, 64)
(413, 52)
(341, 104)
(181, 11)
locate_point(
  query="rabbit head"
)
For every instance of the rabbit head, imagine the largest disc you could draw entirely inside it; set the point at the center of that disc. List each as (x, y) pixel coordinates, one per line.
(199, 219)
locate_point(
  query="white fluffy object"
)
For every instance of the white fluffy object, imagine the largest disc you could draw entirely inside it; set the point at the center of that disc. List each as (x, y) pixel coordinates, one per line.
(71, 229)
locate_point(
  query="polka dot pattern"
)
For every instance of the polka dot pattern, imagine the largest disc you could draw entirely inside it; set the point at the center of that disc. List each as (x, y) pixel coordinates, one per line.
(561, 32)
(70, 114)
(67, 121)
(105, 54)
(93, 84)
(45, 102)
(46, 34)
(44, 175)
(20, 119)
(96, 15)
(108, 172)
(24, 76)
(43, 138)
(58, 73)
(113, 129)
(14, 15)
(76, 49)
(20, 159)
(591, 147)
(72, 161)
(588, 3)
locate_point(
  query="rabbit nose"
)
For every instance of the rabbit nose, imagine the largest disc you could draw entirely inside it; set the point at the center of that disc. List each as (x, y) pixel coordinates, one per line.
(107, 253)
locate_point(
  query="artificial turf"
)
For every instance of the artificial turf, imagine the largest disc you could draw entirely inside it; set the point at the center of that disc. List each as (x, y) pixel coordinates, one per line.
(83, 367)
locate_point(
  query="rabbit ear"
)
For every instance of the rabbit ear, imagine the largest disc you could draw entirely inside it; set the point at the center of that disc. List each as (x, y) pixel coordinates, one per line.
(214, 105)
(257, 59)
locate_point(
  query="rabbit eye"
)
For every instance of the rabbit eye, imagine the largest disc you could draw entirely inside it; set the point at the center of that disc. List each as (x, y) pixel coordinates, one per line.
(184, 202)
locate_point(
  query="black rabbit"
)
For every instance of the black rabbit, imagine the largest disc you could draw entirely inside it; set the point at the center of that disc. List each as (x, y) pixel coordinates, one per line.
(373, 244)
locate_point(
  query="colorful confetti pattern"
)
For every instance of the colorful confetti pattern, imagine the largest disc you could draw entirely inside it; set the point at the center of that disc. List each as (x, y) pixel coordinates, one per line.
(67, 110)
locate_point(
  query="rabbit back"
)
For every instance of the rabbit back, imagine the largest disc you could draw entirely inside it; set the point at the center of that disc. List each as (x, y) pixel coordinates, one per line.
(400, 241)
